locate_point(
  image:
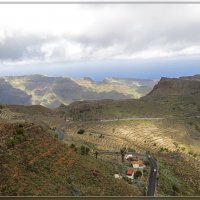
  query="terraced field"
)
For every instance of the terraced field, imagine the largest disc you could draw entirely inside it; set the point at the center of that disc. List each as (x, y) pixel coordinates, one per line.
(142, 135)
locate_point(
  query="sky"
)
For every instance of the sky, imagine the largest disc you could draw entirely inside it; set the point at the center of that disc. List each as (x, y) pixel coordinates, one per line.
(100, 40)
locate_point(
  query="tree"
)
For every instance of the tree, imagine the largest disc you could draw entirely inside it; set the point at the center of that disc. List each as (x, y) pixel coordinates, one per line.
(87, 149)
(137, 174)
(96, 153)
(81, 131)
(82, 150)
(122, 151)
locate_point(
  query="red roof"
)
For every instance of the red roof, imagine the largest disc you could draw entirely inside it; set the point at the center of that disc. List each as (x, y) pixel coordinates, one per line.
(130, 172)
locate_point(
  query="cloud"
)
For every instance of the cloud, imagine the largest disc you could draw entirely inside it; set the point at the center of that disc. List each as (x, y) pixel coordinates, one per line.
(67, 33)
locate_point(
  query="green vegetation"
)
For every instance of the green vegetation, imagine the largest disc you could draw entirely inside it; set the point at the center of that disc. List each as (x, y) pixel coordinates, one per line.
(173, 173)
(81, 131)
(84, 150)
(56, 135)
(72, 146)
(18, 138)
(163, 149)
(137, 174)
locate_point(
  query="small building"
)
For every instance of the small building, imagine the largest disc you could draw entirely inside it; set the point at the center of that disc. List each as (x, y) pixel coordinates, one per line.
(138, 164)
(130, 173)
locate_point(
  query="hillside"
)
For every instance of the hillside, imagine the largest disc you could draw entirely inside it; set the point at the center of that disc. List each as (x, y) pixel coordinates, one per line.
(53, 91)
(169, 98)
(168, 128)
(35, 163)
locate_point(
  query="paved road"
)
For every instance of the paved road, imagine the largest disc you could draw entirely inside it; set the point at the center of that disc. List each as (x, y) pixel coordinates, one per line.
(152, 177)
(132, 118)
(148, 118)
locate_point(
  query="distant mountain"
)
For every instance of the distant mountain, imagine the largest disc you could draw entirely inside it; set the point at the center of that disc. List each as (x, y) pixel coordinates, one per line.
(53, 91)
(130, 87)
(12, 95)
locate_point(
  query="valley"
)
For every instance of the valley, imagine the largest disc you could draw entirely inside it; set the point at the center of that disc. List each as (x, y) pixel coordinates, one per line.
(163, 125)
(53, 91)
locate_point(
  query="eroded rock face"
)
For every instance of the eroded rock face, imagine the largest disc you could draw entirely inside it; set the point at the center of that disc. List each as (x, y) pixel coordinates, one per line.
(183, 86)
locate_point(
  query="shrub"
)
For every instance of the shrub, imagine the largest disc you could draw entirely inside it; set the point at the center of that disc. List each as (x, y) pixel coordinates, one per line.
(137, 174)
(146, 162)
(84, 150)
(19, 131)
(11, 143)
(101, 136)
(81, 131)
(131, 150)
(87, 150)
(183, 148)
(19, 137)
(164, 149)
(1, 107)
(20, 125)
(72, 146)
(56, 135)
(145, 172)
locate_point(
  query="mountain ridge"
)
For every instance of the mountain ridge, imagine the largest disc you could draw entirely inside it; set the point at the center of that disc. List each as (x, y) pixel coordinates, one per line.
(53, 91)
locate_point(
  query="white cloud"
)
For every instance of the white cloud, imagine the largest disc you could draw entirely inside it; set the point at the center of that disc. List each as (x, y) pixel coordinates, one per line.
(53, 33)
